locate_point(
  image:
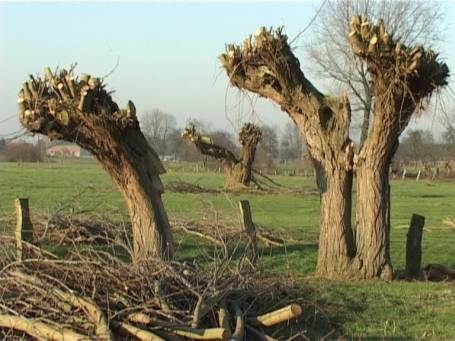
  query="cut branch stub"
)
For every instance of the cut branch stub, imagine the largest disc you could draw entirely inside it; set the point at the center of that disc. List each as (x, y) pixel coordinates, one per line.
(409, 73)
(80, 110)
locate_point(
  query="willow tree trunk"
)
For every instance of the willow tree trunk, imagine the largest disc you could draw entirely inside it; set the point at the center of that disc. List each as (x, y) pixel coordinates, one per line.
(402, 78)
(80, 110)
(266, 65)
(241, 173)
(373, 223)
(366, 117)
(238, 171)
(336, 245)
(142, 191)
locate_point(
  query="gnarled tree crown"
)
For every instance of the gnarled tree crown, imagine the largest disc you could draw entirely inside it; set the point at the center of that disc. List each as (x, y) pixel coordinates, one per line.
(402, 78)
(81, 110)
(409, 73)
(266, 65)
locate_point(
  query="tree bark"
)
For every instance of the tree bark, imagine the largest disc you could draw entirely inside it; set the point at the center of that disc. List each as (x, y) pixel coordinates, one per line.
(142, 193)
(82, 111)
(372, 221)
(266, 65)
(366, 116)
(336, 244)
(401, 78)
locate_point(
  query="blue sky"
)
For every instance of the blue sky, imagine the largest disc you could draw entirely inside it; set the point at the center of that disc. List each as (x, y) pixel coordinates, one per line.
(167, 52)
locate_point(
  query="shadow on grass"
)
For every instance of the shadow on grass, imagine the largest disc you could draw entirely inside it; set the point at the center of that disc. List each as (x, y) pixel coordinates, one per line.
(431, 196)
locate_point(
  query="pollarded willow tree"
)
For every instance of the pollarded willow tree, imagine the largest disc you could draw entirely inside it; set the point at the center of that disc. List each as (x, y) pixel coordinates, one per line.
(80, 110)
(239, 171)
(329, 51)
(403, 78)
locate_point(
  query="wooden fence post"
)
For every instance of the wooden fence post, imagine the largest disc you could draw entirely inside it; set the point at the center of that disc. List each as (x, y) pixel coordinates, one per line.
(248, 226)
(24, 226)
(414, 246)
(418, 175)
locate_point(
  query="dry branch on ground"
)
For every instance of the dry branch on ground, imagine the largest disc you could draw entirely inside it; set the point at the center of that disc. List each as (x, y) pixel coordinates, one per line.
(93, 293)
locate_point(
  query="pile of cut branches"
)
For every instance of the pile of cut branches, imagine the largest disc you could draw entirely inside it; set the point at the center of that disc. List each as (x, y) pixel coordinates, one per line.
(94, 292)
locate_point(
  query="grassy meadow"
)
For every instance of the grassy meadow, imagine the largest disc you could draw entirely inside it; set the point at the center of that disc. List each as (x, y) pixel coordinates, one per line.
(365, 310)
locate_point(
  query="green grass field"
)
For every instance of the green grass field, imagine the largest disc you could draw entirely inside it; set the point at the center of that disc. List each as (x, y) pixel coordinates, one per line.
(365, 310)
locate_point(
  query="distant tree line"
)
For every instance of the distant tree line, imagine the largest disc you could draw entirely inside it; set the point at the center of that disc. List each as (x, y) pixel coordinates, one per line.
(162, 132)
(22, 151)
(417, 147)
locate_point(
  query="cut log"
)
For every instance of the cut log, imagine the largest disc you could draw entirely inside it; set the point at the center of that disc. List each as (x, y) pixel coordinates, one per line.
(39, 330)
(201, 334)
(193, 333)
(141, 334)
(414, 246)
(280, 315)
(24, 226)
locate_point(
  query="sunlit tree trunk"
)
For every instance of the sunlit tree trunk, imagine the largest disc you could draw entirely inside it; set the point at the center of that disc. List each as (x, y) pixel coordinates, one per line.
(82, 111)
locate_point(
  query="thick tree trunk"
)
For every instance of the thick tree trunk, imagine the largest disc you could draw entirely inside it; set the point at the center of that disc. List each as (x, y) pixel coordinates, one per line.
(240, 174)
(401, 79)
(336, 245)
(373, 223)
(80, 110)
(238, 171)
(141, 187)
(236, 177)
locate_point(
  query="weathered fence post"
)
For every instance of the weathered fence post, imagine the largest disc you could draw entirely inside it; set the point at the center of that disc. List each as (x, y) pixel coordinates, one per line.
(414, 246)
(404, 174)
(435, 173)
(24, 227)
(418, 175)
(248, 226)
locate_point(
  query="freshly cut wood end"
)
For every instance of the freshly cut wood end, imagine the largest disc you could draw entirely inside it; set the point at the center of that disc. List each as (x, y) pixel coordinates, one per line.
(201, 334)
(280, 315)
(140, 318)
(374, 40)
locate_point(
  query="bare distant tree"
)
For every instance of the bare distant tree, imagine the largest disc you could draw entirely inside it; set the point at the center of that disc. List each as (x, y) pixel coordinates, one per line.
(157, 126)
(417, 146)
(291, 142)
(448, 137)
(269, 141)
(412, 22)
(21, 151)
